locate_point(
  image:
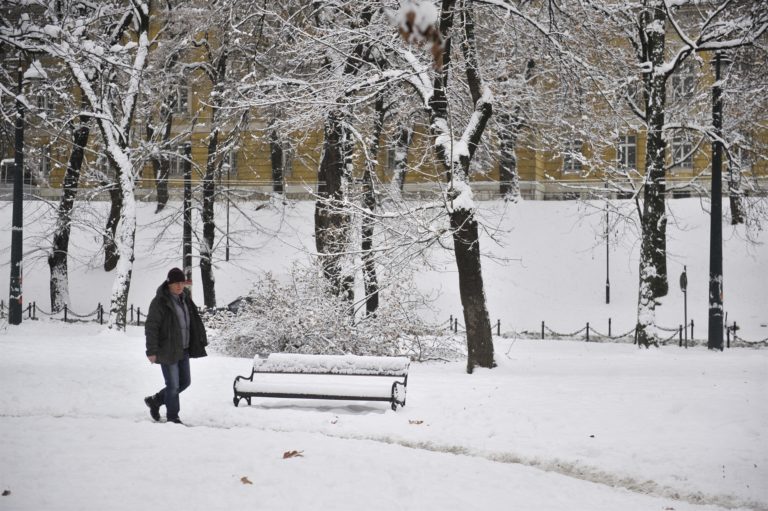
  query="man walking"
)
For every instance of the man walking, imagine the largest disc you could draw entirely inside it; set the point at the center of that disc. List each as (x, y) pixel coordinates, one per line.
(174, 333)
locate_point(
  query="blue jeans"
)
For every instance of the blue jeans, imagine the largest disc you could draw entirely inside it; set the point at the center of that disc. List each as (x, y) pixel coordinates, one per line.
(177, 378)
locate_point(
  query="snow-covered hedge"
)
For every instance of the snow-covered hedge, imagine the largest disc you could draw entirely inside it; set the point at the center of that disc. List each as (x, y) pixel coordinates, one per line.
(302, 316)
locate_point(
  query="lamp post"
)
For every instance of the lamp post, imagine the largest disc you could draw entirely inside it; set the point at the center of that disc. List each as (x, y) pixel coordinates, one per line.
(15, 294)
(607, 256)
(226, 249)
(187, 236)
(715, 331)
(684, 288)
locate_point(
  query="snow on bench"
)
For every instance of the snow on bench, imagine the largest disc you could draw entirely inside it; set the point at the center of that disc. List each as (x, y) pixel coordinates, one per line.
(290, 375)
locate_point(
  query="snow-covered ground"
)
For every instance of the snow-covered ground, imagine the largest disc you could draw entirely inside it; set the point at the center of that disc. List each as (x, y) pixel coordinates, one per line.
(559, 425)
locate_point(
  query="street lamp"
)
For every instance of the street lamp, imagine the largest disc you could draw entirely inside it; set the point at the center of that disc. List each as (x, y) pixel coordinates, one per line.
(187, 235)
(15, 294)
(715, 331)
(607, 256)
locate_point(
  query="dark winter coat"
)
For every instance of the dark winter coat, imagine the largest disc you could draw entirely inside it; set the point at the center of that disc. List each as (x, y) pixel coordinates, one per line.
(163, 332)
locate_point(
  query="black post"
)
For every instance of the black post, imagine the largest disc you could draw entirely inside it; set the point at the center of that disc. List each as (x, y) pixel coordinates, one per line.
(692, 329)
(542, 330)
(680, 334)
(138, 316)
(684, 287)
(187, 237)
(65, 312)
(715, 332)
(587, 331)
(15, 295)
(609, 327)
(498, 327)
(607, 257)
(226, 250)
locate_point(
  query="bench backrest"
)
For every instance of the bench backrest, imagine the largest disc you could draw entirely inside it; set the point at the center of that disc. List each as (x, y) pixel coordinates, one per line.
(330, 364)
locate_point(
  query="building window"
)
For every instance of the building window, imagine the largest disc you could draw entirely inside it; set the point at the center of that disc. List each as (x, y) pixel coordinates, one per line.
(289, 154)
(572, 157)
(740, 158)
(181, 97)
(682, 152)
(627, 152)
(177, 162)
(682, 81)
(229, 168)
(7, 169)
(44, 165)
(43, 103)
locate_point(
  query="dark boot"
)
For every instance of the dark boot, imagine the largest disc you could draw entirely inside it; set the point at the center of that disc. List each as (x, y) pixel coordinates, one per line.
(154, 406)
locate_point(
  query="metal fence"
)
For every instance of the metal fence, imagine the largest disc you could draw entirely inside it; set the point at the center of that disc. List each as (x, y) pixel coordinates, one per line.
(678, 335)
(587, 333)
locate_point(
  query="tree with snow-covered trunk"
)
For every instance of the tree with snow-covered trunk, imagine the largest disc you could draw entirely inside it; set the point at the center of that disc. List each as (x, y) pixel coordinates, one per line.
(71, 34)
(370, 280)
(721, 27)
(455, 155)
(59, 254)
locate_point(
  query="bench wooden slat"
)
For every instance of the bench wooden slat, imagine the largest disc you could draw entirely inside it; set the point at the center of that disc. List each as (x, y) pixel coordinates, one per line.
(289, 363)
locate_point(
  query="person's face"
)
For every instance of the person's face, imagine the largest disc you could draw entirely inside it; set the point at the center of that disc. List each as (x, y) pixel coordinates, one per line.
(176, 288)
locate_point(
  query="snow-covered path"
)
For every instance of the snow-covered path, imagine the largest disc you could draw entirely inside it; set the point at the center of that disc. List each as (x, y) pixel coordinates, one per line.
(558, 425)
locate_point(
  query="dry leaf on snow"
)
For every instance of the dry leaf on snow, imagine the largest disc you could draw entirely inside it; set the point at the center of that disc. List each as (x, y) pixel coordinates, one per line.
(245, 480)
(293, 454)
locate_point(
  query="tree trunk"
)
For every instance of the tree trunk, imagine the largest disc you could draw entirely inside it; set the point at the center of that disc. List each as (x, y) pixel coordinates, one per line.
(370, 280)
(653, 223)
(331, 218)
(462, 217)
(510, 125)
(111, 253)
(57, 259)
(400, 166)
(466, 244)
(124, 236)
(209, 224)
(509, 181)
(161, 165)
(276, 157)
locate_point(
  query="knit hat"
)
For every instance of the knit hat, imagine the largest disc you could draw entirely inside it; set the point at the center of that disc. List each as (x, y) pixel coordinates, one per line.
(176, 275)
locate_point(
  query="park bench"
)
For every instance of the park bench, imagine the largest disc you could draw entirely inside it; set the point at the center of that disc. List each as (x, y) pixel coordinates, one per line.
(347, 377)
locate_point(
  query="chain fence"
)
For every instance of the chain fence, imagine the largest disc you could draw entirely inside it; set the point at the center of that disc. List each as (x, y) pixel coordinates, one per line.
(588, 333)
(682, 335)
(67, 315)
